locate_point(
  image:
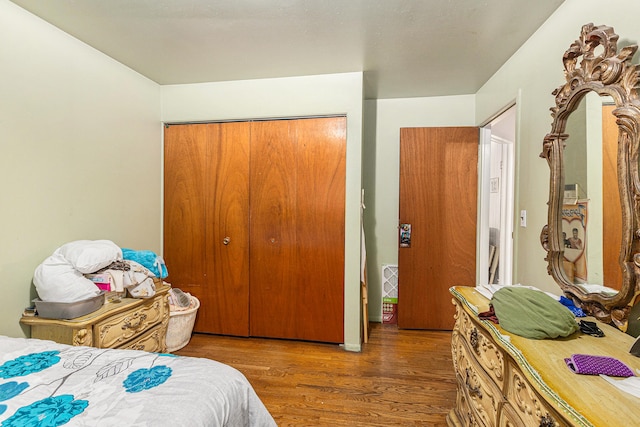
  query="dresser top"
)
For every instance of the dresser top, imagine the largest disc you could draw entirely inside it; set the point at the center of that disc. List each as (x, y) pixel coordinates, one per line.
(542, 361)
(109, 308)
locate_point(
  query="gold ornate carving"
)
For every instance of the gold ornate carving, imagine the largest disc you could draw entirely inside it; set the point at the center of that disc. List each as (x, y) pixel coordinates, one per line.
(482, 395)
(529, 406)
(82, 337)
(487, 353)
(120, 329)
(594, 63)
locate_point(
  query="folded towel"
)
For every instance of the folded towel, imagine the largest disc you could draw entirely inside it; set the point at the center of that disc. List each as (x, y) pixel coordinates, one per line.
(596, 365)
(149, 259)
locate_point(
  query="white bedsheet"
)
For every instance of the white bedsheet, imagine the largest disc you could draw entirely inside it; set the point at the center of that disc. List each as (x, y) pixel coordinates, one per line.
(48, 384)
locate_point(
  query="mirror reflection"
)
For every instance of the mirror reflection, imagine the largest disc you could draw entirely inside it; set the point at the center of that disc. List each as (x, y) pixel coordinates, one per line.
(591, 218)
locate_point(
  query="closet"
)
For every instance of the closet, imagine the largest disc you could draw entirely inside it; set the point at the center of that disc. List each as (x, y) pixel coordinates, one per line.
(254, 225)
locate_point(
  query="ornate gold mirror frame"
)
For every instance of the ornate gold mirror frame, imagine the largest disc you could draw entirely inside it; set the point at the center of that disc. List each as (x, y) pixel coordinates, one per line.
(593, 63)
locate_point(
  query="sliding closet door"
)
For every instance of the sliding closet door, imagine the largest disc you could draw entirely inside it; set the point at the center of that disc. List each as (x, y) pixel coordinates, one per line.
(206, 220)
(297, 229)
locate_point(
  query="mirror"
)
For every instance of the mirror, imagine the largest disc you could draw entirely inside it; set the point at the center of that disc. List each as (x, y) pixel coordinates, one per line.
(591, 218)
(592, 237)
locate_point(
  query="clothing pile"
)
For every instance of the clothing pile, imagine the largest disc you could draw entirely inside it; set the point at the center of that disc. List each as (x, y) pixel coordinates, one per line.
(82, 269)
(530, 313)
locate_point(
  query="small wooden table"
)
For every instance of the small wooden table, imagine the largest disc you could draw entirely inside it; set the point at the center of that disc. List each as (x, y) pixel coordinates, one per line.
(131, 323)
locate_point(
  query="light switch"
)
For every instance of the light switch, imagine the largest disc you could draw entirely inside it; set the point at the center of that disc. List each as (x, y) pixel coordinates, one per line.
(523, 218)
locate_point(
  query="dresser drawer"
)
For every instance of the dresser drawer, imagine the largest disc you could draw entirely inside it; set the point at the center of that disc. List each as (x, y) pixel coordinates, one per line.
(153, 340)
(119, 329)
(509, 417)
(532, 409)
(484, 348)
(462, 414)
(482, 396)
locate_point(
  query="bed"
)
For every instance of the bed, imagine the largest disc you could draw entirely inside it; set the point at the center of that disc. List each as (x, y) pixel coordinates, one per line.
(43, 383)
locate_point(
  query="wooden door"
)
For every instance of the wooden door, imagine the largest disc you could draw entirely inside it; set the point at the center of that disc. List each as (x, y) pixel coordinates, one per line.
(206, 221)
(297, 229)
(438, 197)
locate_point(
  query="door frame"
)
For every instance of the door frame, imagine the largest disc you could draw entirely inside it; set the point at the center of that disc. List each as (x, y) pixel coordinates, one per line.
(507, 184)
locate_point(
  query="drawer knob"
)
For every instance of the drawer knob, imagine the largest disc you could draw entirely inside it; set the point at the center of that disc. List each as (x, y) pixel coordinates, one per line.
(547, 421)
(474, 340)
(473, 391)
(134, 322)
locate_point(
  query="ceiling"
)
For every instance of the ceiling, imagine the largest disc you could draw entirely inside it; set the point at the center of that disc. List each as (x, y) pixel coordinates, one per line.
(406, 48)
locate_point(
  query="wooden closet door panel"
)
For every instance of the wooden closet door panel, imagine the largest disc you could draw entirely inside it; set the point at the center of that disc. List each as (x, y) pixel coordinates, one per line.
(320, 227)
(185, 181)
(227, 230)
(220, 238)
(272, 230)
(297, 229)
(438, 197)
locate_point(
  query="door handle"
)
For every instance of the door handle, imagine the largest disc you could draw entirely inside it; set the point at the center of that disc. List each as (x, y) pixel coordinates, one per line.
(226, 240)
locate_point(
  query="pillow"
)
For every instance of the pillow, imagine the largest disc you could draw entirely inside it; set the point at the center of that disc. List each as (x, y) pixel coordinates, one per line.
(57, 281)
(89, 256)
(532, 314)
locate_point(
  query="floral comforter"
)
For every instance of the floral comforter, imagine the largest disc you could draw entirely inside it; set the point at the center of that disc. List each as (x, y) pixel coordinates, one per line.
(43, 383)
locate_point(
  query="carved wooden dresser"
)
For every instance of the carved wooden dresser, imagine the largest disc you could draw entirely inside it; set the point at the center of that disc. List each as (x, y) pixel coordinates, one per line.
(131, 323)
(507, 380)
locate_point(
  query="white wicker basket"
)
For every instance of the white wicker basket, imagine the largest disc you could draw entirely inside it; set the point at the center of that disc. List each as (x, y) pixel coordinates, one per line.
(180, 326)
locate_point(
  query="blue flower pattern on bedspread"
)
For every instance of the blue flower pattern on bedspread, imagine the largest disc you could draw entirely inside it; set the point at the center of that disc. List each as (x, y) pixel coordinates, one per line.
(144, 379)
(49, 412)
(44, 384)
(58, 410)
(9, 390)
(29, 363)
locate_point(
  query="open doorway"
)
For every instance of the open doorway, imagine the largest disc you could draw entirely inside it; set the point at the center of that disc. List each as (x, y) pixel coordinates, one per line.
(496, 210)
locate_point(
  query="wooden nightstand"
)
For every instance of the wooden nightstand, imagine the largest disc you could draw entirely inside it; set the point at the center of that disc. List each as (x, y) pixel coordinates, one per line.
(131, 323)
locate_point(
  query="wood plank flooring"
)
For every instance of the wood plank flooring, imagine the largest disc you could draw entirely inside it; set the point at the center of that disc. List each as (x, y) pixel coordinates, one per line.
(401, 377)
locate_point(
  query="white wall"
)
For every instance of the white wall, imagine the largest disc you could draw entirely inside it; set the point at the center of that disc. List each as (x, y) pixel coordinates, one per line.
(534, 72)
(80, 140)
(291, 97)
(381, 165)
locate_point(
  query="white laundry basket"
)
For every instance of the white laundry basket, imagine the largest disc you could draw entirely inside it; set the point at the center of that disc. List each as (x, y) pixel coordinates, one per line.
(180, 326)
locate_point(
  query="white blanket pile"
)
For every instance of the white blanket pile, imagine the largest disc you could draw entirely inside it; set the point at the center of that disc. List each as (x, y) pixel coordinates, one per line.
(62, 276)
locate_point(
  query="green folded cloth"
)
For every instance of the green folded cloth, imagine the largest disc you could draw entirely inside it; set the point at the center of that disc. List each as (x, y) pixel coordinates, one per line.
(532, 314)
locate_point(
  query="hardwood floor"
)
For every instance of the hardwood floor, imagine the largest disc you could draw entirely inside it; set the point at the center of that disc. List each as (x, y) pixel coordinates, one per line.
(401, 377)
